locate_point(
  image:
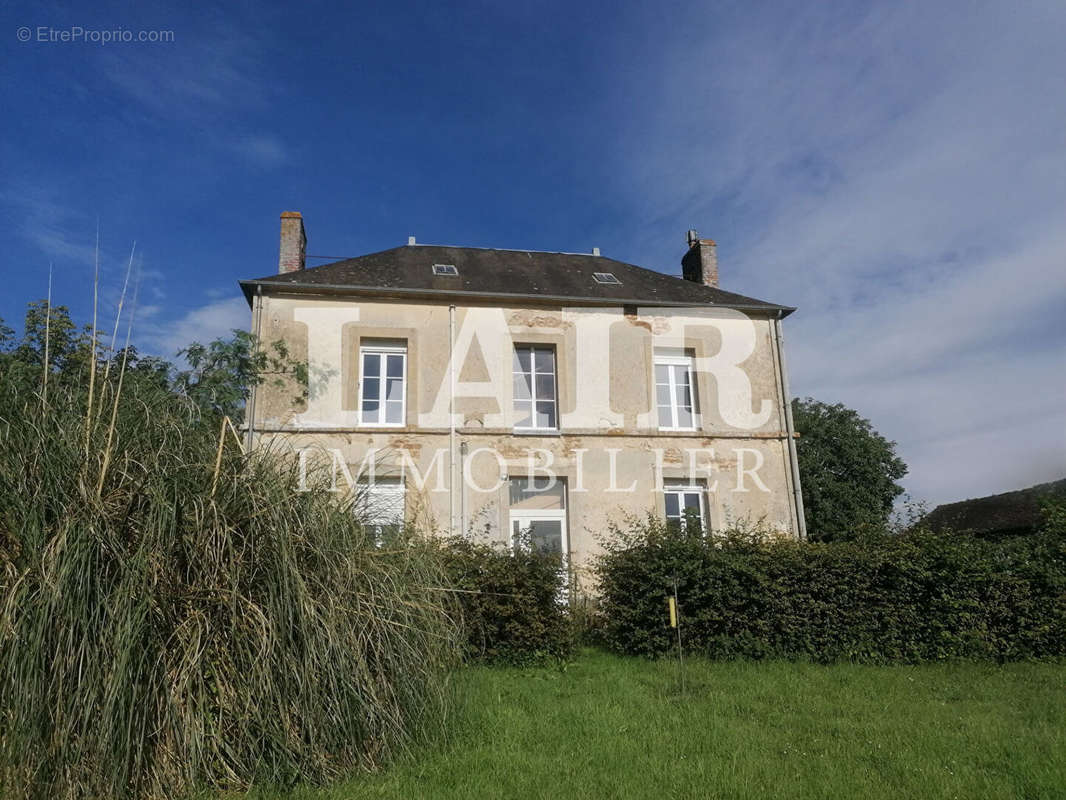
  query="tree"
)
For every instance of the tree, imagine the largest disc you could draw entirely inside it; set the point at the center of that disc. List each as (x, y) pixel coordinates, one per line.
(221, 374)
(848, 471)
(7, 336)
(219, 379)
(65, 348)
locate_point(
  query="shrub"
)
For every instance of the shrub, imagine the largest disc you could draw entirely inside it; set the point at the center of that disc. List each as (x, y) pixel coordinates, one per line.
(918, 596)
(511, 602)
(166, 624)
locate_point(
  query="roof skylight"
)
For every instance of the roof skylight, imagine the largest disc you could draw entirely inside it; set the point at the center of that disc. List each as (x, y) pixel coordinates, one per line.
(445, 269)
(605, 277)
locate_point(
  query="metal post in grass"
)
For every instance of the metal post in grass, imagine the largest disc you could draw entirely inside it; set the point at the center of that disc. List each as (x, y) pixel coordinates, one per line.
(675, 623)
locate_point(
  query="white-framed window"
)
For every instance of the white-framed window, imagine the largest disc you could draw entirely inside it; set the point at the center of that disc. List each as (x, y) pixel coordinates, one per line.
(379, 504)
(685, 500)
(538, 519)
(535, 388)
(675, 391)
(383, 384)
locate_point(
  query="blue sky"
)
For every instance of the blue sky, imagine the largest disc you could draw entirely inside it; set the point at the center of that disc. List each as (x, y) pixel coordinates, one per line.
(896, 171)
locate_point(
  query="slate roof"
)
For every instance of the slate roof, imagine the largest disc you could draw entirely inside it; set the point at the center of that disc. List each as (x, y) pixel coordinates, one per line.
(519, 275)
(999, 514)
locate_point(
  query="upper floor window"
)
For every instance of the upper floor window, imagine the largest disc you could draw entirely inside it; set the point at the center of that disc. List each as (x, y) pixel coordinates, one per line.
(684, 500)
(675, 390)
(534, 387)
(383, 383)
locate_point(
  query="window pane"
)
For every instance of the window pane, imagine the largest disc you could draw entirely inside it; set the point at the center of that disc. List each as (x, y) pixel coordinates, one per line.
(395, 389)
(546, 535)
(545, 387)
(395, 366)
(662, 373)
(672, 508)
(371, 365)
(683, 397)
(692, 500)
(394, 413)
(665, 420)
(370, 411)
(684, 418)
(521, 359)
(384, 533)
(523, 413)
(535, 494)
(371, 387)
(545, 360)
(545, 414)
(521, 387)
(681, 375)
(662, 395)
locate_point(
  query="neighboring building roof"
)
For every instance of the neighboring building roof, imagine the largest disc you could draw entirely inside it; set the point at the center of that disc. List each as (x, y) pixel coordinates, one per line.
(521, 275)
(999, 514)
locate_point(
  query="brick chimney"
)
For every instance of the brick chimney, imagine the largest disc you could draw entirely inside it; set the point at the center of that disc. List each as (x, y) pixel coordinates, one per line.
(700, 263)
(293, 243)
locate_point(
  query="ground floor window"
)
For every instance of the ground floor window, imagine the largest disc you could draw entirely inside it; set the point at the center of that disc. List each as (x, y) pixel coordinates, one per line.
(380, 504)
(685, 502)
(538, 510)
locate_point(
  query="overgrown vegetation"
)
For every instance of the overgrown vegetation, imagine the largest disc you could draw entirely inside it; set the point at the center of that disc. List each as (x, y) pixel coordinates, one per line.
(173, 613)
(913, 597)
(511, 601)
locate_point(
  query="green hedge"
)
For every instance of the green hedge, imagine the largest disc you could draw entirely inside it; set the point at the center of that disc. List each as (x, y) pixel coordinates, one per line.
(912, 597)
(511, 602)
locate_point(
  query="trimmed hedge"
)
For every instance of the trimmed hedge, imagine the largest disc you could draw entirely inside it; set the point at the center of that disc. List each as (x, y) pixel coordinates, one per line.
(918, 596)
(510, 601)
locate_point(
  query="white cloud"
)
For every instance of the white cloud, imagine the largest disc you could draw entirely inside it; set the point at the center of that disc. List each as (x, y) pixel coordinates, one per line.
(901, 177)
(216, 66)
(203, 324)
(62, 234)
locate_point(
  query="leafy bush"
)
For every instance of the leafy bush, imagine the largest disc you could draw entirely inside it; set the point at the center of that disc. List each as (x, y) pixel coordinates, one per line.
(510, 600)
(174, 614)
(918, 596)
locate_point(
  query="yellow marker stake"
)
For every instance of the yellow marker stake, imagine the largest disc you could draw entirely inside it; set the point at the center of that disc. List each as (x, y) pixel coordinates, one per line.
(673, 612)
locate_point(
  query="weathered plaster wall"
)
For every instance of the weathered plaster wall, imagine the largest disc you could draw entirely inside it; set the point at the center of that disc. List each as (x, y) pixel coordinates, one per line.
(605, 394)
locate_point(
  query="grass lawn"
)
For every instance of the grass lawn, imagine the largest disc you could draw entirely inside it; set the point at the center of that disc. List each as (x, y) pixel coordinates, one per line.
(608, 727)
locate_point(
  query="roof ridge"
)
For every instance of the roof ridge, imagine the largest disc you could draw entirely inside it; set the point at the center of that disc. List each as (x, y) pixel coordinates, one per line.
(506, 250)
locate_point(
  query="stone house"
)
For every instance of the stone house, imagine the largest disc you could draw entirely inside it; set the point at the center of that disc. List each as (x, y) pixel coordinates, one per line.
(487, 392)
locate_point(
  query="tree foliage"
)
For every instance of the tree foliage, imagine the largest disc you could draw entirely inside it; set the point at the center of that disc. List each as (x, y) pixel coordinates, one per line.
(222, 374)
(7, 336)
(218, 377)
(847, 469)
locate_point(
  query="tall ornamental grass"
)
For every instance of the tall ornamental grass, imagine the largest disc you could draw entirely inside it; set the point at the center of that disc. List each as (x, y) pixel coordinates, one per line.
(175, 616)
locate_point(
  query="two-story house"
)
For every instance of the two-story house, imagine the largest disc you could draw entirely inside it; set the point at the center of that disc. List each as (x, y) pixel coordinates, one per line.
(487, 392)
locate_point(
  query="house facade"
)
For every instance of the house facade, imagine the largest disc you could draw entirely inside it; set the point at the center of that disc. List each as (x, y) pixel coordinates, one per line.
(487, 392)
